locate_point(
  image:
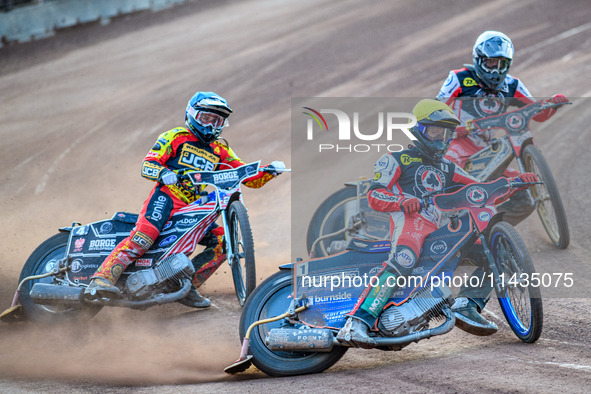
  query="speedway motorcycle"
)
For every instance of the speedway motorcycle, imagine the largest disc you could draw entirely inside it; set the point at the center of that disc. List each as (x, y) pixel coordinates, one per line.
(290, 322)
(53, 279)
(346, 213)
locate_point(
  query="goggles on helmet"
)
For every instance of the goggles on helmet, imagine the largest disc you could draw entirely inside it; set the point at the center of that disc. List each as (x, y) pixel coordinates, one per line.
(492, 64)
(207, 118)
(436, 133)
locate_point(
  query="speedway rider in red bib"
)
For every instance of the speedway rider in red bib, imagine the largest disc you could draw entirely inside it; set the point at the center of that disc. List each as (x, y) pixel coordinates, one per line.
(196, 147)
(485, 82)
(400, 179)
(483, 89)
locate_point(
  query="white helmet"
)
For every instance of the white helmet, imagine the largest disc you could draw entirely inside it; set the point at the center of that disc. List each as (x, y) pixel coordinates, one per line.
(492, 54)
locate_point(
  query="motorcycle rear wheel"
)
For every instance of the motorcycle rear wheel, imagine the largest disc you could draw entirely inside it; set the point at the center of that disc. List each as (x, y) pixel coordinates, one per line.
(272, 298)
(520, 301)
(40, 262)
(548, 202)
(240, 237)
(334, 214)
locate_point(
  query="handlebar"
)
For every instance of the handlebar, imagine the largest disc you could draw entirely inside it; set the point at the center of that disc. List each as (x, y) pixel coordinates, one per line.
(472, 125)
(267, 169)
(552, 105)
(519, 184)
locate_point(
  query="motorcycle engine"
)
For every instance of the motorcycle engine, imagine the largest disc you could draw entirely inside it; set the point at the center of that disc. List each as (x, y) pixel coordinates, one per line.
(163, 277)
(416, 313)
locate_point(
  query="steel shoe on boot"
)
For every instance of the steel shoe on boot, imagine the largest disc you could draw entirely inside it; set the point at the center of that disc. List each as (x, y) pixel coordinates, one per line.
(101, 287)
(195, 300)
(355, 332)
(469, 320)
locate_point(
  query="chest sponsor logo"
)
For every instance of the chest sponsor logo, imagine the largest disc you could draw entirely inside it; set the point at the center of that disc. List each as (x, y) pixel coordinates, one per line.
(406, 159)
(488, 106)
(429, 179)
(198, 159)
(470, 82)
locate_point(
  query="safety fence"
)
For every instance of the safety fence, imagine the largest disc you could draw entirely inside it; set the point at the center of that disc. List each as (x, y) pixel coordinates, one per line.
(26, 20)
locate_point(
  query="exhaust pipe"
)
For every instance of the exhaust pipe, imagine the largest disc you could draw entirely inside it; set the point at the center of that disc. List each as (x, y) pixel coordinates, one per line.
(56, 295)
(300, 340)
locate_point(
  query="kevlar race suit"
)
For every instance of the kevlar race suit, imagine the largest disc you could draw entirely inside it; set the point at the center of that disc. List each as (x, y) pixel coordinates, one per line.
(397, 177)
(174, 150)
(469, 99)
(463, 83)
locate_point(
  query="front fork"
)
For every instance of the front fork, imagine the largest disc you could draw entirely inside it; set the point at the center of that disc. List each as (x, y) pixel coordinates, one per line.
(230, 253)
(522, 169)
(498, 282)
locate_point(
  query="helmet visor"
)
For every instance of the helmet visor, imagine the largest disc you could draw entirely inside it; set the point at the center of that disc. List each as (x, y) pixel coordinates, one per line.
(492, 64)
(441, 118)
(208, 118)
(438, 133)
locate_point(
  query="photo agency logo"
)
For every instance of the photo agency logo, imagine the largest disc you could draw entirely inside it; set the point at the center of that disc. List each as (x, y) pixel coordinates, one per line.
(350, 136)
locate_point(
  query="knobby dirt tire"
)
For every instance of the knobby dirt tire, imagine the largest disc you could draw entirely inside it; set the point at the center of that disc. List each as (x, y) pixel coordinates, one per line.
(522, 301)
(240, 237)
(40, 262)
(550, 207)
(270, 299)
(330, 217)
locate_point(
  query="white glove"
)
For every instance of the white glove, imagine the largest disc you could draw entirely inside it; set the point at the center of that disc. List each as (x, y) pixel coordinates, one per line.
(168, 177)
(278, 166)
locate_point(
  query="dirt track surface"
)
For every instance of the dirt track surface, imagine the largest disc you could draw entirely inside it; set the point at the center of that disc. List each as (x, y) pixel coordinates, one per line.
(80, 110)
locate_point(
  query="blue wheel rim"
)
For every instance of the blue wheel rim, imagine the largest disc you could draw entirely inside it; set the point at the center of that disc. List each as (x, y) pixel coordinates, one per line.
(506, 304)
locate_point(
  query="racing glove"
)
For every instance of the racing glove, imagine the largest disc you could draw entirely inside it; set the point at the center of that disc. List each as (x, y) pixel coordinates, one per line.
(410, 205)
(276, 167)
(168, 177)
(557, 99)
(528, 177)
(461, 132)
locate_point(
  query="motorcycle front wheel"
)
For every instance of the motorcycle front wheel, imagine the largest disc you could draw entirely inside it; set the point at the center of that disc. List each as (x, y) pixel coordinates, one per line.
(547, 198)
(41, 261)
(272, 298)
(520, 299)
(243, 262)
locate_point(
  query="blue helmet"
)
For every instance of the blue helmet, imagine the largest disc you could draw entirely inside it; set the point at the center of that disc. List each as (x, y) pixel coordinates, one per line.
(206, 115)
(492, 55)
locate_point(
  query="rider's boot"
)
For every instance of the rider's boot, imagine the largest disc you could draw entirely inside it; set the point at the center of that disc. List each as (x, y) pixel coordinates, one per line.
(101, 287)
(195, 300)
(471, 300)
(470, 320)
(356, 332)
(208, 261)
(366, 312)
(103, 281)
